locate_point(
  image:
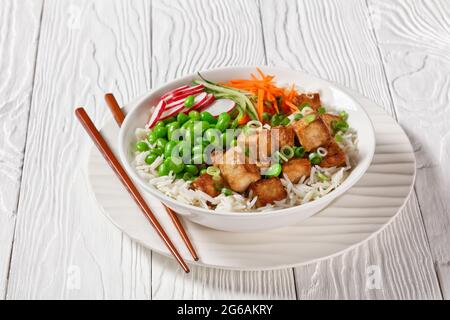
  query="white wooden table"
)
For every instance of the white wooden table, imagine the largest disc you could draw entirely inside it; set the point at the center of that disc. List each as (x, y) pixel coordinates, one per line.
(55, 55)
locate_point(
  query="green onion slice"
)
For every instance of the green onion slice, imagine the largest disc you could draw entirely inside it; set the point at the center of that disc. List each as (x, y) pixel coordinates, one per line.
(322, 177)
(287, 151)
(274, 170)
(213, 171)
(310, 118)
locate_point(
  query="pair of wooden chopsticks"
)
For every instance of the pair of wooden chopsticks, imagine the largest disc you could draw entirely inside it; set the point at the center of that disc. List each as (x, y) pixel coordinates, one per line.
(109, 156)
(119, 116)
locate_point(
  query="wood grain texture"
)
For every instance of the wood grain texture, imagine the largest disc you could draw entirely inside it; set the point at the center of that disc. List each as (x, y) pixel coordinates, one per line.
(184, 44)
(335, 40)
(19, 32)
(414, 38)
(63, 246)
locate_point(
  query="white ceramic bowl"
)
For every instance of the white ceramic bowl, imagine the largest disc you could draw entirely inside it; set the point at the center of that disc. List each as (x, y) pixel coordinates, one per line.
(331, 96)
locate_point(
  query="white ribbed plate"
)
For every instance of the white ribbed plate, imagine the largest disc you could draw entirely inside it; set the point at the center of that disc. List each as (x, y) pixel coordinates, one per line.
(353, 218)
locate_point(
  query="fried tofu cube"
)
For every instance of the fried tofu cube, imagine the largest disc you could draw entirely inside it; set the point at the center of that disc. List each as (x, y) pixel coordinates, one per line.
(208, 185)
(268, 191)
(236, 170)
(295, 169)
(284, 135)
(240, 176)
(262, 143)
(328, 119)
(313, 134)
(335, 156)
(313, 99)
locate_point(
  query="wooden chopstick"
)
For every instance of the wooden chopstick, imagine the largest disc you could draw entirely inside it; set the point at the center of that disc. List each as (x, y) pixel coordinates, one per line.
(125, 179)
(119, 116)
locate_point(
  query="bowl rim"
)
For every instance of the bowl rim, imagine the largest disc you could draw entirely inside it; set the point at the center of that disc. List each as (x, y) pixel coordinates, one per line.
(324, 200)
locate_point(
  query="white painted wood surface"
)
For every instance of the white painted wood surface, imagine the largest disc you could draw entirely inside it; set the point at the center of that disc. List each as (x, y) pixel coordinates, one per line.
(328, 42)
(396, 53)
(19, 30)
(414, 39)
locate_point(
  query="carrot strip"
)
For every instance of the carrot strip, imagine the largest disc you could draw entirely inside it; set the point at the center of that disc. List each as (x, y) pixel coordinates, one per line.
(244, 119)
(260, 104)
(275, 106)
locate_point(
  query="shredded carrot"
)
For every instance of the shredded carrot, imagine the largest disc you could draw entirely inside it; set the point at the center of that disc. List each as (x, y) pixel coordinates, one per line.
(260, 108)
(266, 92)
(244, 119)
(275, 107)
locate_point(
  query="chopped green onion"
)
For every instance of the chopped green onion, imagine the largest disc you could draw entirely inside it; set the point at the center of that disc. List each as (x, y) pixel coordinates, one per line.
(285, 122)
(298, 116)
(266, 116)
(339, 125)
(203, 171)
(213, 171)
(322, 177)
(304, 105)
(287, 151)
(315, 158)
(299, 152)
(273, 171)
(227, 192)
(338, 138)
(343, 115)
(276, 120)
(321, 110)
(254, 124)
(310, 118)
(217, 177)
(279, 155)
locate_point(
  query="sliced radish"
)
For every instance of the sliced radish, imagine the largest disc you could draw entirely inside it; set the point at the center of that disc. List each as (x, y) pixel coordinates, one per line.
(209, 99)
(171, 112)
(219, 106)
(184, 93)
(199, 100)
(173, 92)
(159, 109)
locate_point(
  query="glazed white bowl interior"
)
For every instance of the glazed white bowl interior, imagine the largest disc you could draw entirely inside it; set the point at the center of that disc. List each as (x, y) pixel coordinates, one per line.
(331, 96)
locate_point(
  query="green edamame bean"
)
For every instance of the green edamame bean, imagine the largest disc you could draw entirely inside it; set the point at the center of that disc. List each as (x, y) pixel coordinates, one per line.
(192, 169)
(182, 118)
(160, 132)
(161, 143)
(142, 146)
(163, 169)
(208, 117)
(169, 148)
(151, 137)
(194, 115)
(150, 158)
(189, 102)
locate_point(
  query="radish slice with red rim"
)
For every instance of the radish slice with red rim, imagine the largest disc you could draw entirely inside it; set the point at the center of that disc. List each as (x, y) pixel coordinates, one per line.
(173, 91)
(159, 109)
(220, 106)
(209, 99)
(184, 93)
(172, 112)
(199, 100)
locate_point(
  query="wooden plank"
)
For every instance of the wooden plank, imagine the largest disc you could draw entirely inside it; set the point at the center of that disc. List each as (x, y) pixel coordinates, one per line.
(188, 43)
(334, 40)
(63, 246)
(19, 33)
(414, 38)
